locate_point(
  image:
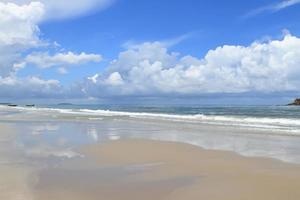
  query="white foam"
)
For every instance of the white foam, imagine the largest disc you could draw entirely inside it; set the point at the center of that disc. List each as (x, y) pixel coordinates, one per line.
(291, 125)
(259, 122)
(47, 152)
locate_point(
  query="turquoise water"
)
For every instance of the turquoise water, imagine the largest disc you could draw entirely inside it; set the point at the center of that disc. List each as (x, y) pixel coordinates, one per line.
(290, 112)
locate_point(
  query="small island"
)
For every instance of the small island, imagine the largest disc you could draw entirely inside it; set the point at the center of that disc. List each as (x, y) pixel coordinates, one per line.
(30, 105)
(65, 104)
(295, 103)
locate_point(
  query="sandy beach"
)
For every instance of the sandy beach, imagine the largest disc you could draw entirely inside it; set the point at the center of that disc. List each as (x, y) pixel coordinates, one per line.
(46, 156)
(144, 169)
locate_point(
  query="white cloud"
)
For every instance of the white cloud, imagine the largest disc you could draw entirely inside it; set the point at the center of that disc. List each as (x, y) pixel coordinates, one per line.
(131, 44)
(44, 60)
(93, 79)
(273, 7)
(29, 87)
(59, 9)
(114, 79)
(149, 69)
(18, 23)
(18, 32)
(284, 4)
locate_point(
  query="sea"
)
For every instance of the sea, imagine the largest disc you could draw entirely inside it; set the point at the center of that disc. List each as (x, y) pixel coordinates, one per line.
(58, 130)
(282, 118)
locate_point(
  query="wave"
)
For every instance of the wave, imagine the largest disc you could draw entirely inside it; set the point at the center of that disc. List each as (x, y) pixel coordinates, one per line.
(286, 124)
(196, 117)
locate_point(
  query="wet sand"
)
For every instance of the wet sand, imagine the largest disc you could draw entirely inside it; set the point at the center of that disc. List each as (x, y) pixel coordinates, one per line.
(15, 178)
(137, 169)
(144, 169)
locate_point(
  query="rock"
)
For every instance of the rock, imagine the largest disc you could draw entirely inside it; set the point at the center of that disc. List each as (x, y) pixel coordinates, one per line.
(295, 103)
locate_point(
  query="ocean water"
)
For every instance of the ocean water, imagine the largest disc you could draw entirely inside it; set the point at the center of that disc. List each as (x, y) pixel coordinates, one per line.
(275, 118)
(57, 131)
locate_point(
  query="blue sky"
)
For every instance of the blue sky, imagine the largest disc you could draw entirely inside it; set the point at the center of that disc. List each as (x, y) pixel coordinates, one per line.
(210, 23)
(165, 36)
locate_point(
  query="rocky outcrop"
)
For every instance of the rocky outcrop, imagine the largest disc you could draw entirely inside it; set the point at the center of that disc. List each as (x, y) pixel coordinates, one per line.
(295, 103)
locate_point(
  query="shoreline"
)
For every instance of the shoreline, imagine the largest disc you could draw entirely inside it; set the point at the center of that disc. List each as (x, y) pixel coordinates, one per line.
(273, 124)
(85, 129)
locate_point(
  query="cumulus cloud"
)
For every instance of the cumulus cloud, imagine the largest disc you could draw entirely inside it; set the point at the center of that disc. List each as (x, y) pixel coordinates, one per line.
(59, 9)
(18, 23)
(29, 87)
(44, 60)
(18, 32)
(150, 69)
(114, 79)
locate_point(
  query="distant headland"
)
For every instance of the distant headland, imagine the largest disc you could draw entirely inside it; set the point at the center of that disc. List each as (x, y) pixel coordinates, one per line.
(295, 103)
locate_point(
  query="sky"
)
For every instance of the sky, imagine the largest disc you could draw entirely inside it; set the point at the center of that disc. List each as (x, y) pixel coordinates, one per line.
(92, 50)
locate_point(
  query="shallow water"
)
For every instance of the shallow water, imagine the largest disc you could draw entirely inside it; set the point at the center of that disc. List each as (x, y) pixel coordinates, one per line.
(285, 119)
(56, 134)
(37, 145)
